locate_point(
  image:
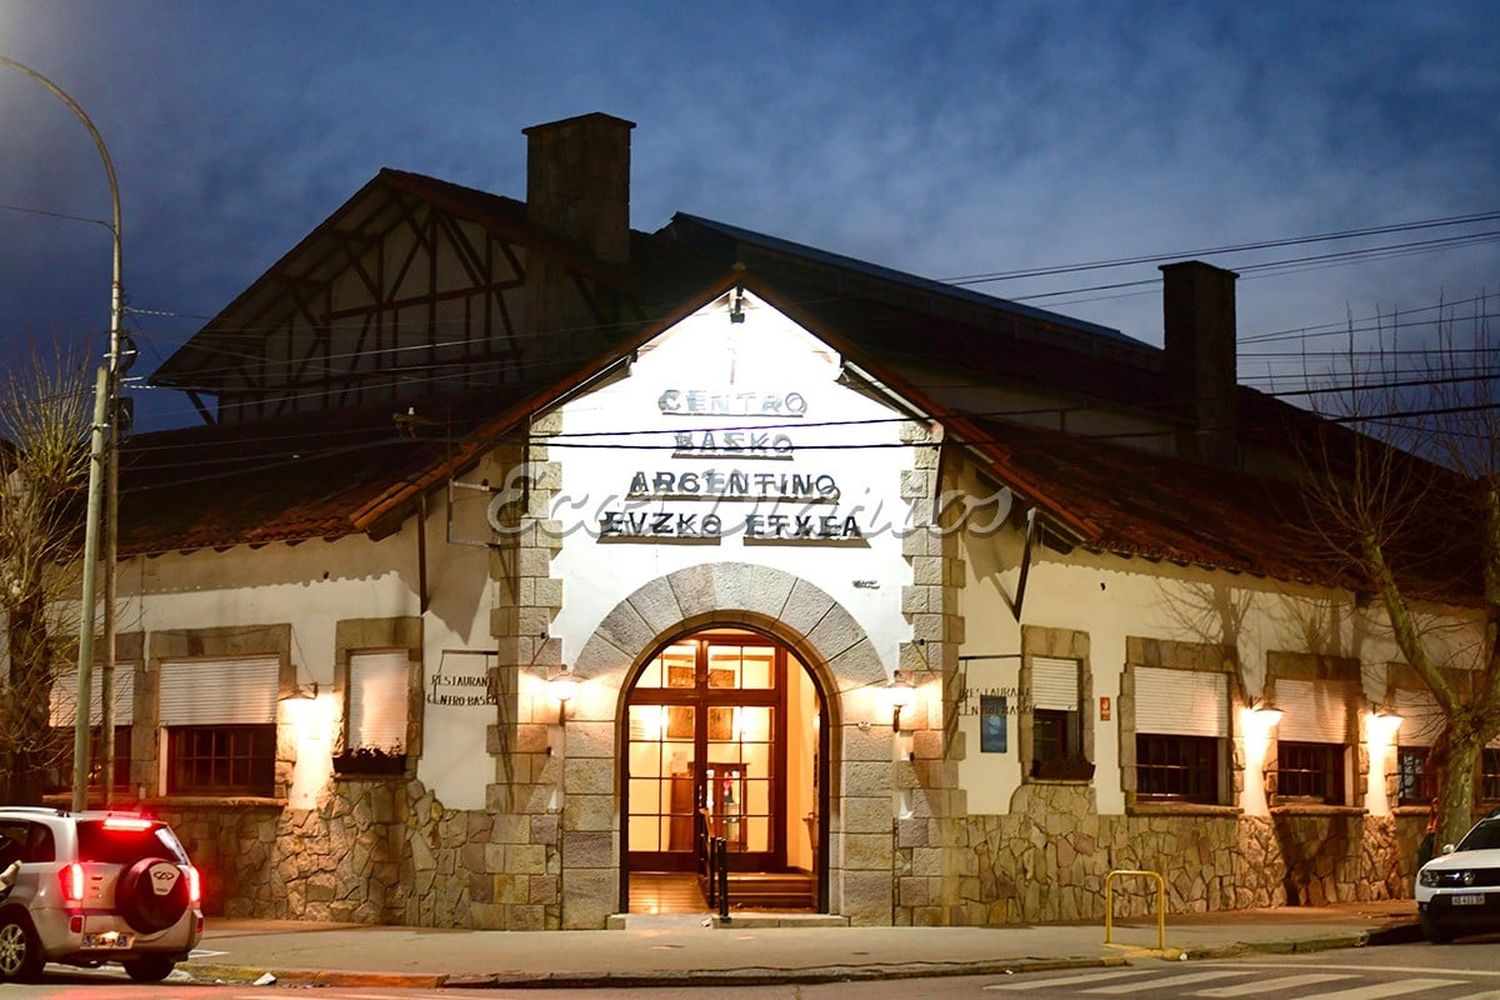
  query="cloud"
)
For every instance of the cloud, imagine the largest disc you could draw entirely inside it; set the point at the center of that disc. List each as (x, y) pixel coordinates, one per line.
(952, 139)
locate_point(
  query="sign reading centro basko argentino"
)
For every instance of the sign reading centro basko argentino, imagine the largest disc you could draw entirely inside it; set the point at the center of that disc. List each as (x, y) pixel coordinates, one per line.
(798, 506)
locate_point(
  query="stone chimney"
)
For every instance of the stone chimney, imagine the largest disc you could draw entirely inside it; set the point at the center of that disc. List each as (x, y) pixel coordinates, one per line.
(578, 183)
(1198, 315)
(578, 191)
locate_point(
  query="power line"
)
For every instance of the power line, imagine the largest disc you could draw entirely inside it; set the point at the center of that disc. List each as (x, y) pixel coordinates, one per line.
(1038, 272)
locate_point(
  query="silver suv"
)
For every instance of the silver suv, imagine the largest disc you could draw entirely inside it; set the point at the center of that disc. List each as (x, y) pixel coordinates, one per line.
(94, 887)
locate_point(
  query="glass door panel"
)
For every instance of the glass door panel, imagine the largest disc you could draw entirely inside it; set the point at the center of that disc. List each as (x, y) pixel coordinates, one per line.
(661, 783)
(704, 722)
(740, 757)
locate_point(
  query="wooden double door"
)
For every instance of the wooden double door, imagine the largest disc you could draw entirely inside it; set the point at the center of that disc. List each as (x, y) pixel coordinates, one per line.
(707, 730)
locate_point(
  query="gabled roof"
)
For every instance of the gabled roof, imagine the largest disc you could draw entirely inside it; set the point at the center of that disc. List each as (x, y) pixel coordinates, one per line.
(698, 231)
(331, 474)
(334, 473)
(656, 269)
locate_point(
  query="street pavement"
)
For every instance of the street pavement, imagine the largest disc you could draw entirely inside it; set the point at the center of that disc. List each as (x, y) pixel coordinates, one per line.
(663, 952)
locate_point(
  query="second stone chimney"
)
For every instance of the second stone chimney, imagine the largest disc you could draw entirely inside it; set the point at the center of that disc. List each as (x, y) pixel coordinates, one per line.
(578, 182)
(1198, 314)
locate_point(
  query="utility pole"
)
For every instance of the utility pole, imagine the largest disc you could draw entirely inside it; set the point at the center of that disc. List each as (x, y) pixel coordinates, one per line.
(103, 458)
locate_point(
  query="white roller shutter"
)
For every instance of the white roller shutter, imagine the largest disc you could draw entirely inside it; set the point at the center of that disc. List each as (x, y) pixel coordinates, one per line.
(1312, 711)
(1421, 719)
(65, 696)
(1181, 702)
(1054, 683)
(219, 692)
(378, 694)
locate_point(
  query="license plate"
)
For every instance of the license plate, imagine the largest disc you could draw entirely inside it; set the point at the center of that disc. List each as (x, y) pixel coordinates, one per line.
(112, 940)
(1469, 899)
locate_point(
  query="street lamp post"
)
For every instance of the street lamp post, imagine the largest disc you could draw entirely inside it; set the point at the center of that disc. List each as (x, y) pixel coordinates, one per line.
(103, 463)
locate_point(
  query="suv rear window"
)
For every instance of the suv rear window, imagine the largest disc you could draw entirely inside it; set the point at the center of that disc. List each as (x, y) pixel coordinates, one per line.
(117, 846)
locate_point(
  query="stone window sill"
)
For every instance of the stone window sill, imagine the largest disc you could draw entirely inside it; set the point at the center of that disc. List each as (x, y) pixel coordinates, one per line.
(125, 801)
(1078, 782)
(1150, 808)
(356, 776)
(1409, 810)
(1315, 809)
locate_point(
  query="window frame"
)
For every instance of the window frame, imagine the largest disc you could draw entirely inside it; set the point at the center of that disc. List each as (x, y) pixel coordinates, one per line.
(259, 755)
(1489, 774)
(1209, 766)
(1338, 754)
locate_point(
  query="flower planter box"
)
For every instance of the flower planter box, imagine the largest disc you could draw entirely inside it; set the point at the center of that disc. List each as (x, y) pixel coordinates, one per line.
(1063, 769)
(366, 761)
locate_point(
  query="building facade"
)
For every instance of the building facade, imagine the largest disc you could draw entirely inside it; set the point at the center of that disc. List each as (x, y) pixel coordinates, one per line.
(519, 549)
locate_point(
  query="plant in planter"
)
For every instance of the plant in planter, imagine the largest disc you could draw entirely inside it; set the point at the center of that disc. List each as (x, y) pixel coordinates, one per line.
(370, 760)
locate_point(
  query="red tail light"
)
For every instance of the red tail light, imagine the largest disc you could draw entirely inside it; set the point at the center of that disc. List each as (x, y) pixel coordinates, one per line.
(195, 886)
(72, 879)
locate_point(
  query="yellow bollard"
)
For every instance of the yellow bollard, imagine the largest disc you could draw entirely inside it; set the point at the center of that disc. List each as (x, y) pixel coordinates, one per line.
(1161, 904)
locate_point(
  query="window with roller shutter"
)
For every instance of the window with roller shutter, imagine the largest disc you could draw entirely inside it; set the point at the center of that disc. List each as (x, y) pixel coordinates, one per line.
(1421, 723)
(62, 710)
(220, 718)
(1056, 722)
(1181, 734)
(1312, 740)
(375, 731)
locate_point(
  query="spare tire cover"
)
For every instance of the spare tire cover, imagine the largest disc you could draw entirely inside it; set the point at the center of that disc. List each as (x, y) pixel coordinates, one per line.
(152, 895)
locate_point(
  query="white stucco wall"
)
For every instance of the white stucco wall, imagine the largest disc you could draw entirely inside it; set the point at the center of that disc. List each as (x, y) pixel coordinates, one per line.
(1111, 597)
(314, 585)
(767, 356)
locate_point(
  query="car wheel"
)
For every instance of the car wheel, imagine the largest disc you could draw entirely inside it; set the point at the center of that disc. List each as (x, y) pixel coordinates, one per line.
(1435, 932)
(20, 954)
(151, 969)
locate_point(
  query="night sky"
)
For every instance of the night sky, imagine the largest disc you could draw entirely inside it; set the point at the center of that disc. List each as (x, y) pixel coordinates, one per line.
(945, 139)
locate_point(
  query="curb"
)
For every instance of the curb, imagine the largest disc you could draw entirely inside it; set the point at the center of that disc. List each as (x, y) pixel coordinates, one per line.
(1401, 933)
(207, 975)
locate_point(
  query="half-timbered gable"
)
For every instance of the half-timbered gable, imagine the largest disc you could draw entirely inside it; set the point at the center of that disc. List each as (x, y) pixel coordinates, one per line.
(415, 287)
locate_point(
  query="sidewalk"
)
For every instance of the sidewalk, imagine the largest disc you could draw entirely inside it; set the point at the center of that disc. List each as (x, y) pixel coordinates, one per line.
(681, 952)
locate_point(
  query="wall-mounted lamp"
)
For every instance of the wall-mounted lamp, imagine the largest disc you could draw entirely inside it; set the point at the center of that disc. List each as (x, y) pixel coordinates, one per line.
(1384, 720)
(1266, 712)
(902, 694)
(562, 686)
(302, 692)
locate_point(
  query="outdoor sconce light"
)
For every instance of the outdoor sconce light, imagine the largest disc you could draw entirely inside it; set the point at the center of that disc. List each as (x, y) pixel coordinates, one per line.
(562, 686)
(1266, 712)
(302, 692)
(1385, 722)
(902, 694)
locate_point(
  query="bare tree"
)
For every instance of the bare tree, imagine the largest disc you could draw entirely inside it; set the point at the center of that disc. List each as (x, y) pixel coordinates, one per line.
(44, 416)
(1403, 488)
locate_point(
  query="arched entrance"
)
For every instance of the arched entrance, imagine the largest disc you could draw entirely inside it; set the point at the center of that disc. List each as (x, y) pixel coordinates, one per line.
(726, 736)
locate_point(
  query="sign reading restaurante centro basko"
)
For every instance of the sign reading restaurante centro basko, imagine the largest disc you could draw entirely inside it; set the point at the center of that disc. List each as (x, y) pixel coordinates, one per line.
(788, 506)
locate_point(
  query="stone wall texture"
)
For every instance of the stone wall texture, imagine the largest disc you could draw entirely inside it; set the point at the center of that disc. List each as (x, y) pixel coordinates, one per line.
(387, 852)
(1047, 861)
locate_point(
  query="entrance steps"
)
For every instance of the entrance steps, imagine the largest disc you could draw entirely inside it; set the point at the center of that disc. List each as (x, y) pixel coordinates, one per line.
(772, 891)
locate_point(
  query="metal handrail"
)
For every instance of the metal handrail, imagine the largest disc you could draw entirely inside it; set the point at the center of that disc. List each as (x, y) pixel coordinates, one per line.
(1161, 904)
(721, 847)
